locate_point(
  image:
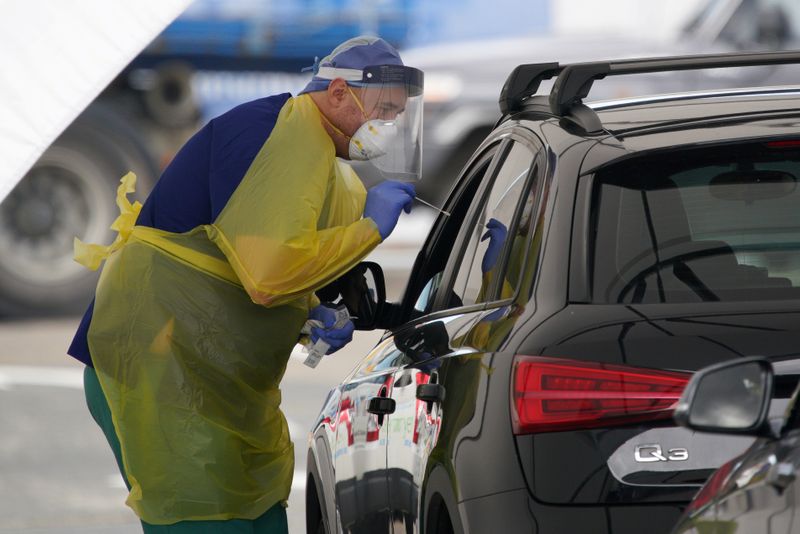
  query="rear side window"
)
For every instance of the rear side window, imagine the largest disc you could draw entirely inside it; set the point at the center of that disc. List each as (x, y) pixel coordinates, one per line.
(710, 224)
(494, 235)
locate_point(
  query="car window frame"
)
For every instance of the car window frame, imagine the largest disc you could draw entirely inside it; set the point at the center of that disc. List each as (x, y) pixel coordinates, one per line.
(511, 134)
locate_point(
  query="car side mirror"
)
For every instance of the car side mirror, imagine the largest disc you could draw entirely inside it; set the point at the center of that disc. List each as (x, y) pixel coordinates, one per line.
(370, 298)
(362, 290)
(730, 398)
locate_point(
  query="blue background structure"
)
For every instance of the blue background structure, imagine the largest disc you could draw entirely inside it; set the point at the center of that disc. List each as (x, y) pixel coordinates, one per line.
(283, 36)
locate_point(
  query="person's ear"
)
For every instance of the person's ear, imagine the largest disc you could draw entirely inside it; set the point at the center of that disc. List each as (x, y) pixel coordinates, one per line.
(337, 92)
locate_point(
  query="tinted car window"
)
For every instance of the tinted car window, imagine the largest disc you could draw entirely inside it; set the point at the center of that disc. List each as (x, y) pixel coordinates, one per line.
(432, 272)
(701, 225)
(492, 234)
(521, 256)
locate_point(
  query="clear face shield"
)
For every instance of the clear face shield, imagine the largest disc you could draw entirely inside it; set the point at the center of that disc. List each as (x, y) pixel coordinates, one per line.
(390, 98)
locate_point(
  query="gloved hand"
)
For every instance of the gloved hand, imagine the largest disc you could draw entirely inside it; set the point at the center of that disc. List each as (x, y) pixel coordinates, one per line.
(336, 337)
(496, 233)
(384, 202)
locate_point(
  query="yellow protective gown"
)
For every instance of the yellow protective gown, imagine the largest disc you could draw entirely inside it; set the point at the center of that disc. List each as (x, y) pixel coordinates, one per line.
(191, 332)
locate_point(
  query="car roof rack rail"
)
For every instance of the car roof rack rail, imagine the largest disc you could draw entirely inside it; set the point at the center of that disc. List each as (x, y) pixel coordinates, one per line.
(523, 82)
(574, 81)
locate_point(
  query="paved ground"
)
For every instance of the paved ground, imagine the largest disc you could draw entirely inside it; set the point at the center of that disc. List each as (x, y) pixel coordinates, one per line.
(57, 474)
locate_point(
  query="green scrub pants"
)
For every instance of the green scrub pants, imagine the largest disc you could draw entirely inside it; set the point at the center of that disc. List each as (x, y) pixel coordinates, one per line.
(272, 522)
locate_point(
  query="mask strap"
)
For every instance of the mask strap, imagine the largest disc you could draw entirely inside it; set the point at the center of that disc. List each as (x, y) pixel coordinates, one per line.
(360, 107)
(333, 126)
(364, 113)
(358, 102)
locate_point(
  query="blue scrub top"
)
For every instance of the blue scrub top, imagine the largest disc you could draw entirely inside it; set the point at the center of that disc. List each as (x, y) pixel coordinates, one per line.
(201, 178)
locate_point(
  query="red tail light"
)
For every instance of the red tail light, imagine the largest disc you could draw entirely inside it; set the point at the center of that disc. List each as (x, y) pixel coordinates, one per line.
(787, 143)
(553, 394)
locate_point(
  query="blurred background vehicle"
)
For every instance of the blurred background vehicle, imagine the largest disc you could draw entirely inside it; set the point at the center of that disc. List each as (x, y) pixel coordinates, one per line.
(219, 54)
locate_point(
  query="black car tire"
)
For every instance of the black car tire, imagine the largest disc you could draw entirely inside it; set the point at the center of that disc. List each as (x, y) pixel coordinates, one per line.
(315, 511)
(438, 518)
(69, 192)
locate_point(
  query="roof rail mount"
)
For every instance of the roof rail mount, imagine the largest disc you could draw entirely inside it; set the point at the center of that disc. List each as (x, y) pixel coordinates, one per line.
(574, 81)
(523, 82)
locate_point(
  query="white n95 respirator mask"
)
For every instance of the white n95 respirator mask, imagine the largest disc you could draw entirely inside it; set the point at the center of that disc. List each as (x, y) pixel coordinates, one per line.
(372, 139)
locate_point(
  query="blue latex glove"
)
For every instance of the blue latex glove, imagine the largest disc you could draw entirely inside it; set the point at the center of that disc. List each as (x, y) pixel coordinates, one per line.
(335, 337)
(496, 233)
(384, 203)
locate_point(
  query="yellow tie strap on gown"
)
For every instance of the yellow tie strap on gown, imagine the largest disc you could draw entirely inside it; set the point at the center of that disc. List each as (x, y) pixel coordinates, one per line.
(191, 333)
(91, 256)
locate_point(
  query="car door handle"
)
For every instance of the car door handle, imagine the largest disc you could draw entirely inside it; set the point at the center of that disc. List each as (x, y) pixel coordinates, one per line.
(431, 393)
(381, 406)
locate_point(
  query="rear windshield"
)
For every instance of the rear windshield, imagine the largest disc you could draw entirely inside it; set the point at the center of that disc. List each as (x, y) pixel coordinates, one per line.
(710, 224)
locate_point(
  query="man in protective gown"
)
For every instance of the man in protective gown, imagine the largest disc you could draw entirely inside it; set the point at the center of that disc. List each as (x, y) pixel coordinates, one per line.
(205, 290)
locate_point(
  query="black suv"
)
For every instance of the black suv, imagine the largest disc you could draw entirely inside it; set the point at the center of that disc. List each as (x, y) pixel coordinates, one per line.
(591, 258)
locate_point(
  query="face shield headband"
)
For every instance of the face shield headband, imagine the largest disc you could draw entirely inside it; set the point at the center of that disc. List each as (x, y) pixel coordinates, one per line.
(379, 75)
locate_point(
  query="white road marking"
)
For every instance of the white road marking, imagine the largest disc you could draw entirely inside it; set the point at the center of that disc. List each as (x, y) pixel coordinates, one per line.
(22, 375)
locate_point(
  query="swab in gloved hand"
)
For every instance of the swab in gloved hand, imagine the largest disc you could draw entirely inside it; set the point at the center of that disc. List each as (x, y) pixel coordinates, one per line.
(440, 210)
